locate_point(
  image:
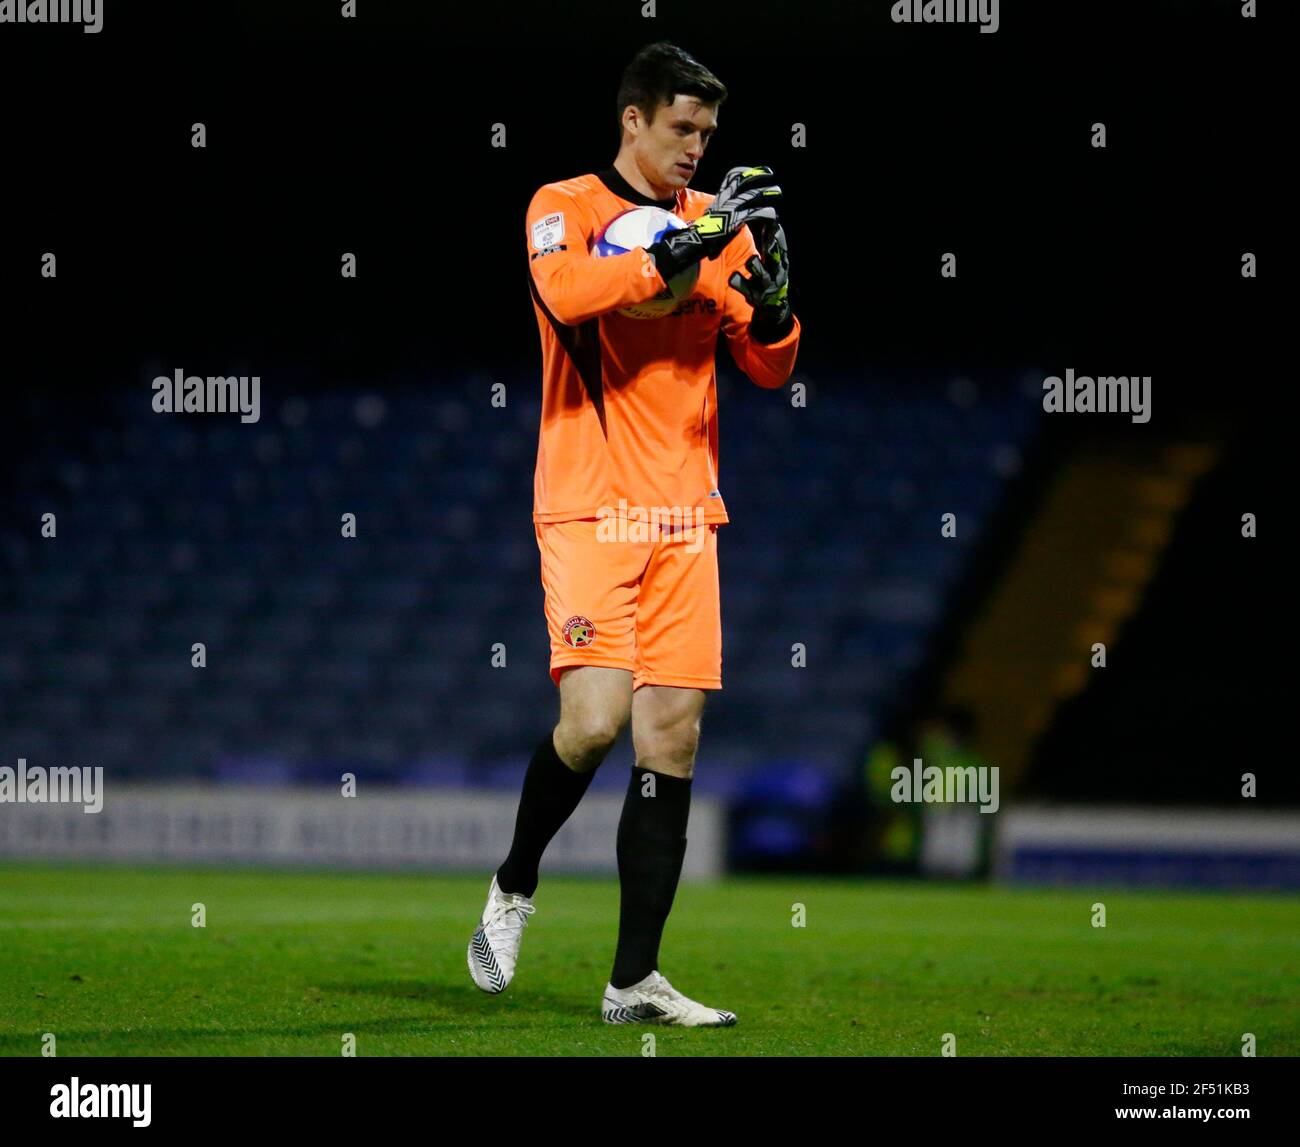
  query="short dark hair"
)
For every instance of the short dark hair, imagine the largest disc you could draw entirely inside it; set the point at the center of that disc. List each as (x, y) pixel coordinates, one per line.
(658, 74)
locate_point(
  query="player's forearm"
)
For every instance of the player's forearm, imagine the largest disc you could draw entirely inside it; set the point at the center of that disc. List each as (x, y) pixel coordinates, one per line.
(768, 364)
(579, 289)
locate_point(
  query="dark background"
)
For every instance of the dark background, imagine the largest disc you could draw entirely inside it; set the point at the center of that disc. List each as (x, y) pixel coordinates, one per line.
(373, 136)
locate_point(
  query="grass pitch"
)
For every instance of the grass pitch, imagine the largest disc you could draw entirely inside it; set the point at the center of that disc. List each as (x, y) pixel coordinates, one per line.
(108, 961)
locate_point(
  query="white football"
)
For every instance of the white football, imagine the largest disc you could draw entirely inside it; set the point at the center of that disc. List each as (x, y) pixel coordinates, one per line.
(642, 227)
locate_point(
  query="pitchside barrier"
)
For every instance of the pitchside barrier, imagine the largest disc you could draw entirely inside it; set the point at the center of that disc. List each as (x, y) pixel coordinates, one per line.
(438, 830)
(1187, 848)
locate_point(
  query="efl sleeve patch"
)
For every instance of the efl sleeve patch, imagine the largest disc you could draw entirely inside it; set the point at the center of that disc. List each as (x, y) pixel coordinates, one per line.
(548, 231)
(547, 251)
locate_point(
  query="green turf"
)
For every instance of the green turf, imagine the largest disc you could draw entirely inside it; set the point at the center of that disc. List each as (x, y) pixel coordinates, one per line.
(107, 960)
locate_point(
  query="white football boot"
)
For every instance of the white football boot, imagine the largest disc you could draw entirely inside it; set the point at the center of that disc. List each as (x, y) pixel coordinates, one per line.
(655, 1001)
(494, 947)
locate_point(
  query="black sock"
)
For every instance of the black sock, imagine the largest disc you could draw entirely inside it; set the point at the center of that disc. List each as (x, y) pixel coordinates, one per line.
(551, 792)
(651, 846)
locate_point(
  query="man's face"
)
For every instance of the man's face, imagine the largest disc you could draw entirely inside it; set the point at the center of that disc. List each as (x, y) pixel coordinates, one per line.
(668, 150)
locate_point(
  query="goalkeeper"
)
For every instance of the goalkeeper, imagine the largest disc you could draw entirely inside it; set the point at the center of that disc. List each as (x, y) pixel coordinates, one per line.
(630, 422)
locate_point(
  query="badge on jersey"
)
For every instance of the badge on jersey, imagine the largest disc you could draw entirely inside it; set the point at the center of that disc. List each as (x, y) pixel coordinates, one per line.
(578, 631)
(548, 231)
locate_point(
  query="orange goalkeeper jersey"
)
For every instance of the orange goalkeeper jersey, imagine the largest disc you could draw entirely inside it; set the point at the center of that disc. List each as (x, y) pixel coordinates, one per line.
(629, 406)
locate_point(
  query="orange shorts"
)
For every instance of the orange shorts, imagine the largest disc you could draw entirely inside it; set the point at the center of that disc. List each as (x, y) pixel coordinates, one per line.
(651, 606)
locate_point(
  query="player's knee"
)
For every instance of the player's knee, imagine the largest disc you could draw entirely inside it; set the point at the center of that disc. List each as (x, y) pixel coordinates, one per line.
(671, 748)
(585, 740)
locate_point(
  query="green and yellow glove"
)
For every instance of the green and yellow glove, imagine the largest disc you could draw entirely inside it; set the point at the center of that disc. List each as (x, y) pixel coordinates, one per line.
(768, 283)
(747, 195)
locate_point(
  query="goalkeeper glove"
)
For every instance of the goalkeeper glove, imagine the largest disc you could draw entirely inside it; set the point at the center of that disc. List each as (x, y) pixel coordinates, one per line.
(747, 194)
(768, 283)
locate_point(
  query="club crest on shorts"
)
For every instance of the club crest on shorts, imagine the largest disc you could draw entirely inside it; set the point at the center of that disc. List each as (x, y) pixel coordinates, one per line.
(578, 631)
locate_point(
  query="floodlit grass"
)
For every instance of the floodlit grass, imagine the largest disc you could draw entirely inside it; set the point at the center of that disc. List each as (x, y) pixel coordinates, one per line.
(106, 959)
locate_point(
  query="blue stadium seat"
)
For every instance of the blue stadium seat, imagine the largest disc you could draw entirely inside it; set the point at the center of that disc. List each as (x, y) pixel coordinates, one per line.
(375, 650)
